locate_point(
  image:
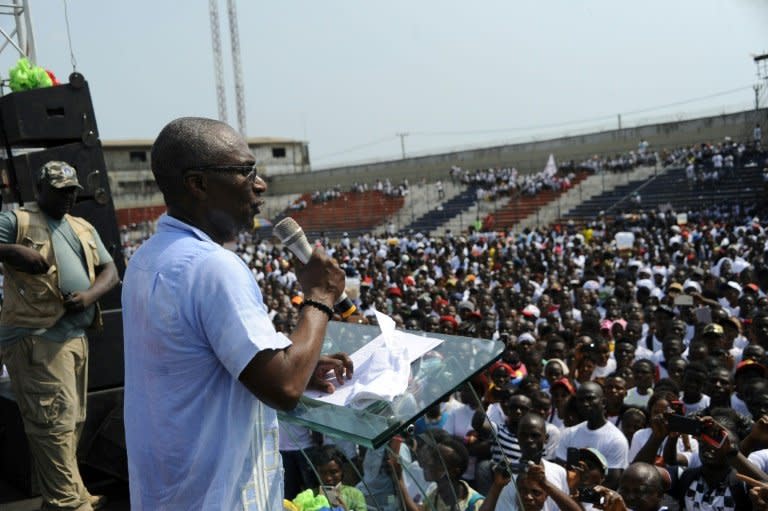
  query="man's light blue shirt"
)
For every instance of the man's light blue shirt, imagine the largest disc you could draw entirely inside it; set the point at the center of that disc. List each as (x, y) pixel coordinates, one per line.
(193, 318)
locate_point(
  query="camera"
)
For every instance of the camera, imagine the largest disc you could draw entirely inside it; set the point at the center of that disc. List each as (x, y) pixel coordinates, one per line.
(510, 469)
(590, 496)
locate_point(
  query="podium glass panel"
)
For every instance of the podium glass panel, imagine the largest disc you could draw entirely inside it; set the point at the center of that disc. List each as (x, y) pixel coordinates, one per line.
(433, 376)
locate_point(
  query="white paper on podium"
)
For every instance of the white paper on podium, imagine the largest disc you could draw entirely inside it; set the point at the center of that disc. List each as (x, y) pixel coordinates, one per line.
(382, 367)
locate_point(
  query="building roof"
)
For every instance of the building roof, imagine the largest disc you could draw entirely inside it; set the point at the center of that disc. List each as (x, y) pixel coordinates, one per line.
(147, 143)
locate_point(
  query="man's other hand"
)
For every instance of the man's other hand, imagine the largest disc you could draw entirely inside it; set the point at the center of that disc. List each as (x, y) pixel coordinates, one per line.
(339, 363)
(77, 301)
(27, 260)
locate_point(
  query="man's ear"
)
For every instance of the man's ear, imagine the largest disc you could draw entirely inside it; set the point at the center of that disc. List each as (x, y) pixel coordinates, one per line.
(196, 184)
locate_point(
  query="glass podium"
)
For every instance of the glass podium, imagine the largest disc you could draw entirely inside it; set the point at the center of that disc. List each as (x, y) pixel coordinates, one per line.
(434, 376)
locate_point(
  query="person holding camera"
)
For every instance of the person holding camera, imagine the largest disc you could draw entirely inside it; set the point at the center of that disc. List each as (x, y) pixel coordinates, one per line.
(714, 484)
(534, 476)
(641, 488)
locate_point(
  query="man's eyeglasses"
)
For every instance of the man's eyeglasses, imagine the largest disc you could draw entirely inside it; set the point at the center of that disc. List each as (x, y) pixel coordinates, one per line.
(250, 172)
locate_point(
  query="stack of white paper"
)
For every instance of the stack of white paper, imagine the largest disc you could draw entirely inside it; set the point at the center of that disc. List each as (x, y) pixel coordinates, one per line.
(382, 367)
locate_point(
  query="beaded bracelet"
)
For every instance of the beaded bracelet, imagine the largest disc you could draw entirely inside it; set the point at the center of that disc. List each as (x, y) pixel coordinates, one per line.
(320, 306)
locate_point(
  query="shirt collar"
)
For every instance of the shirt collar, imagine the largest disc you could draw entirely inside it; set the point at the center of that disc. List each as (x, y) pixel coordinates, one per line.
(169, 223)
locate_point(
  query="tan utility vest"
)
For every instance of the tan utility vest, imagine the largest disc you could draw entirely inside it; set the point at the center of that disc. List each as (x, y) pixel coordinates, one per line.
(35, 301)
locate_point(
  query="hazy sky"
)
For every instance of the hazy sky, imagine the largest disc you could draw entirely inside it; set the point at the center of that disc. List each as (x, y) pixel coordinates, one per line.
(348, 75)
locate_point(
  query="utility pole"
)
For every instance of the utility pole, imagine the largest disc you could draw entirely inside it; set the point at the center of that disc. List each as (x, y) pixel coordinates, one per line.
(619, 115)
(761, 62)
(402, 142)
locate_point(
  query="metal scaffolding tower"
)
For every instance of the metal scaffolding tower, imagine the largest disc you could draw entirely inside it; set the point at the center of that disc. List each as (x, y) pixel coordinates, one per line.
(218, 67)
(21, 38)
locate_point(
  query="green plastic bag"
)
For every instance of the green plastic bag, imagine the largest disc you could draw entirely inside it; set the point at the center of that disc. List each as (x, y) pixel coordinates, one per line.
(25, 76)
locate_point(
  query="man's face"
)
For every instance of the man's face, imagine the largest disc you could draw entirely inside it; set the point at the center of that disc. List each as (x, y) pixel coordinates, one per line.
(56, 202)
(638, 495)
(624, 353)
(233, 188)
(615, 390)
(532, 494)
(643, 374)
(531, 436)
(693, 383)
(675, 369)
(515, 407)
(758, 405)
(589, 401)
(672, 348)
(556, 350)
(719, 385)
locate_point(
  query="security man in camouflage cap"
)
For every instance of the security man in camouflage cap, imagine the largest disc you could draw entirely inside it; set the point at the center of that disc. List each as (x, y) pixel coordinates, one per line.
(56, 269)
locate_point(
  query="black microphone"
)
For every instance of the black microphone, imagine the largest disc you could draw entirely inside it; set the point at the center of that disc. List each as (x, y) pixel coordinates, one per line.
(292, 236)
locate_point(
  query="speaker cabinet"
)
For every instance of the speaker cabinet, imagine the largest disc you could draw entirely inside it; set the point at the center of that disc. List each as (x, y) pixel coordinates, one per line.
(49, 116)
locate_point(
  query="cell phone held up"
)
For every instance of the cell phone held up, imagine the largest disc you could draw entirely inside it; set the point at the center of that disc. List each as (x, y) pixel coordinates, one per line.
(711, 434)
(685, 425)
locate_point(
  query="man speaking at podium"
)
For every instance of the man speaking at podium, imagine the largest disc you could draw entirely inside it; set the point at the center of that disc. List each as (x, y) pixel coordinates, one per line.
(204, 366)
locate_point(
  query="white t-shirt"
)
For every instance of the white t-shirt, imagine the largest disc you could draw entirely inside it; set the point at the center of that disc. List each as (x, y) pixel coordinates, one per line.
(459, 421)
(602, 372)
(691, 408)
(636, 399)
(495, 413)
(554, 473)
(759, 458)
(608, 439)
(553, 438)
(641, 436)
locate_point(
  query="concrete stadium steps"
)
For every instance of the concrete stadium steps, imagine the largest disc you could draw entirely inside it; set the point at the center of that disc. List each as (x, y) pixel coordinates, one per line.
(592, 186)
(671, 187)
(353, 212)
(421, 199)
(519, 208)
(440, 213)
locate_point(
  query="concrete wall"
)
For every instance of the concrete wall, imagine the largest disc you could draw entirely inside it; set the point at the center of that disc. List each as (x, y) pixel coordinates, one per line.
(527, 157)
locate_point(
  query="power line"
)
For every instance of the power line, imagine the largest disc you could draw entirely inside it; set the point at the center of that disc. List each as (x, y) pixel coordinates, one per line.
(580, 121)
(610, 117)
(685, 102)
(353, 148)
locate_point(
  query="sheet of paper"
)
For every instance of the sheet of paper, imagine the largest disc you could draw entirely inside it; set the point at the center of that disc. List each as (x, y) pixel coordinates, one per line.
(382, 367)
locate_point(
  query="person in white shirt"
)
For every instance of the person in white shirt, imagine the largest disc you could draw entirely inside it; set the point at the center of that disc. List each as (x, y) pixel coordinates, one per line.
(643, 371)
(596, 432)
(694, 378)
(532, 435)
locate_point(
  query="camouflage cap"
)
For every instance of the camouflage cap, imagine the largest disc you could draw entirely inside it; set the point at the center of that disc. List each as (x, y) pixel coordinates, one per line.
(59, 174)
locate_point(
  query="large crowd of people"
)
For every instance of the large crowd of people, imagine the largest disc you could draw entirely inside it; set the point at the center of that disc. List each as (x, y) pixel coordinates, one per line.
(634, 371)
(605, 341)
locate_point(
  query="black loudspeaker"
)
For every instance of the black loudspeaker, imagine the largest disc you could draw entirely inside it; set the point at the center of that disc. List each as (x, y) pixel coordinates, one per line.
(49, 116)
(88, 160)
